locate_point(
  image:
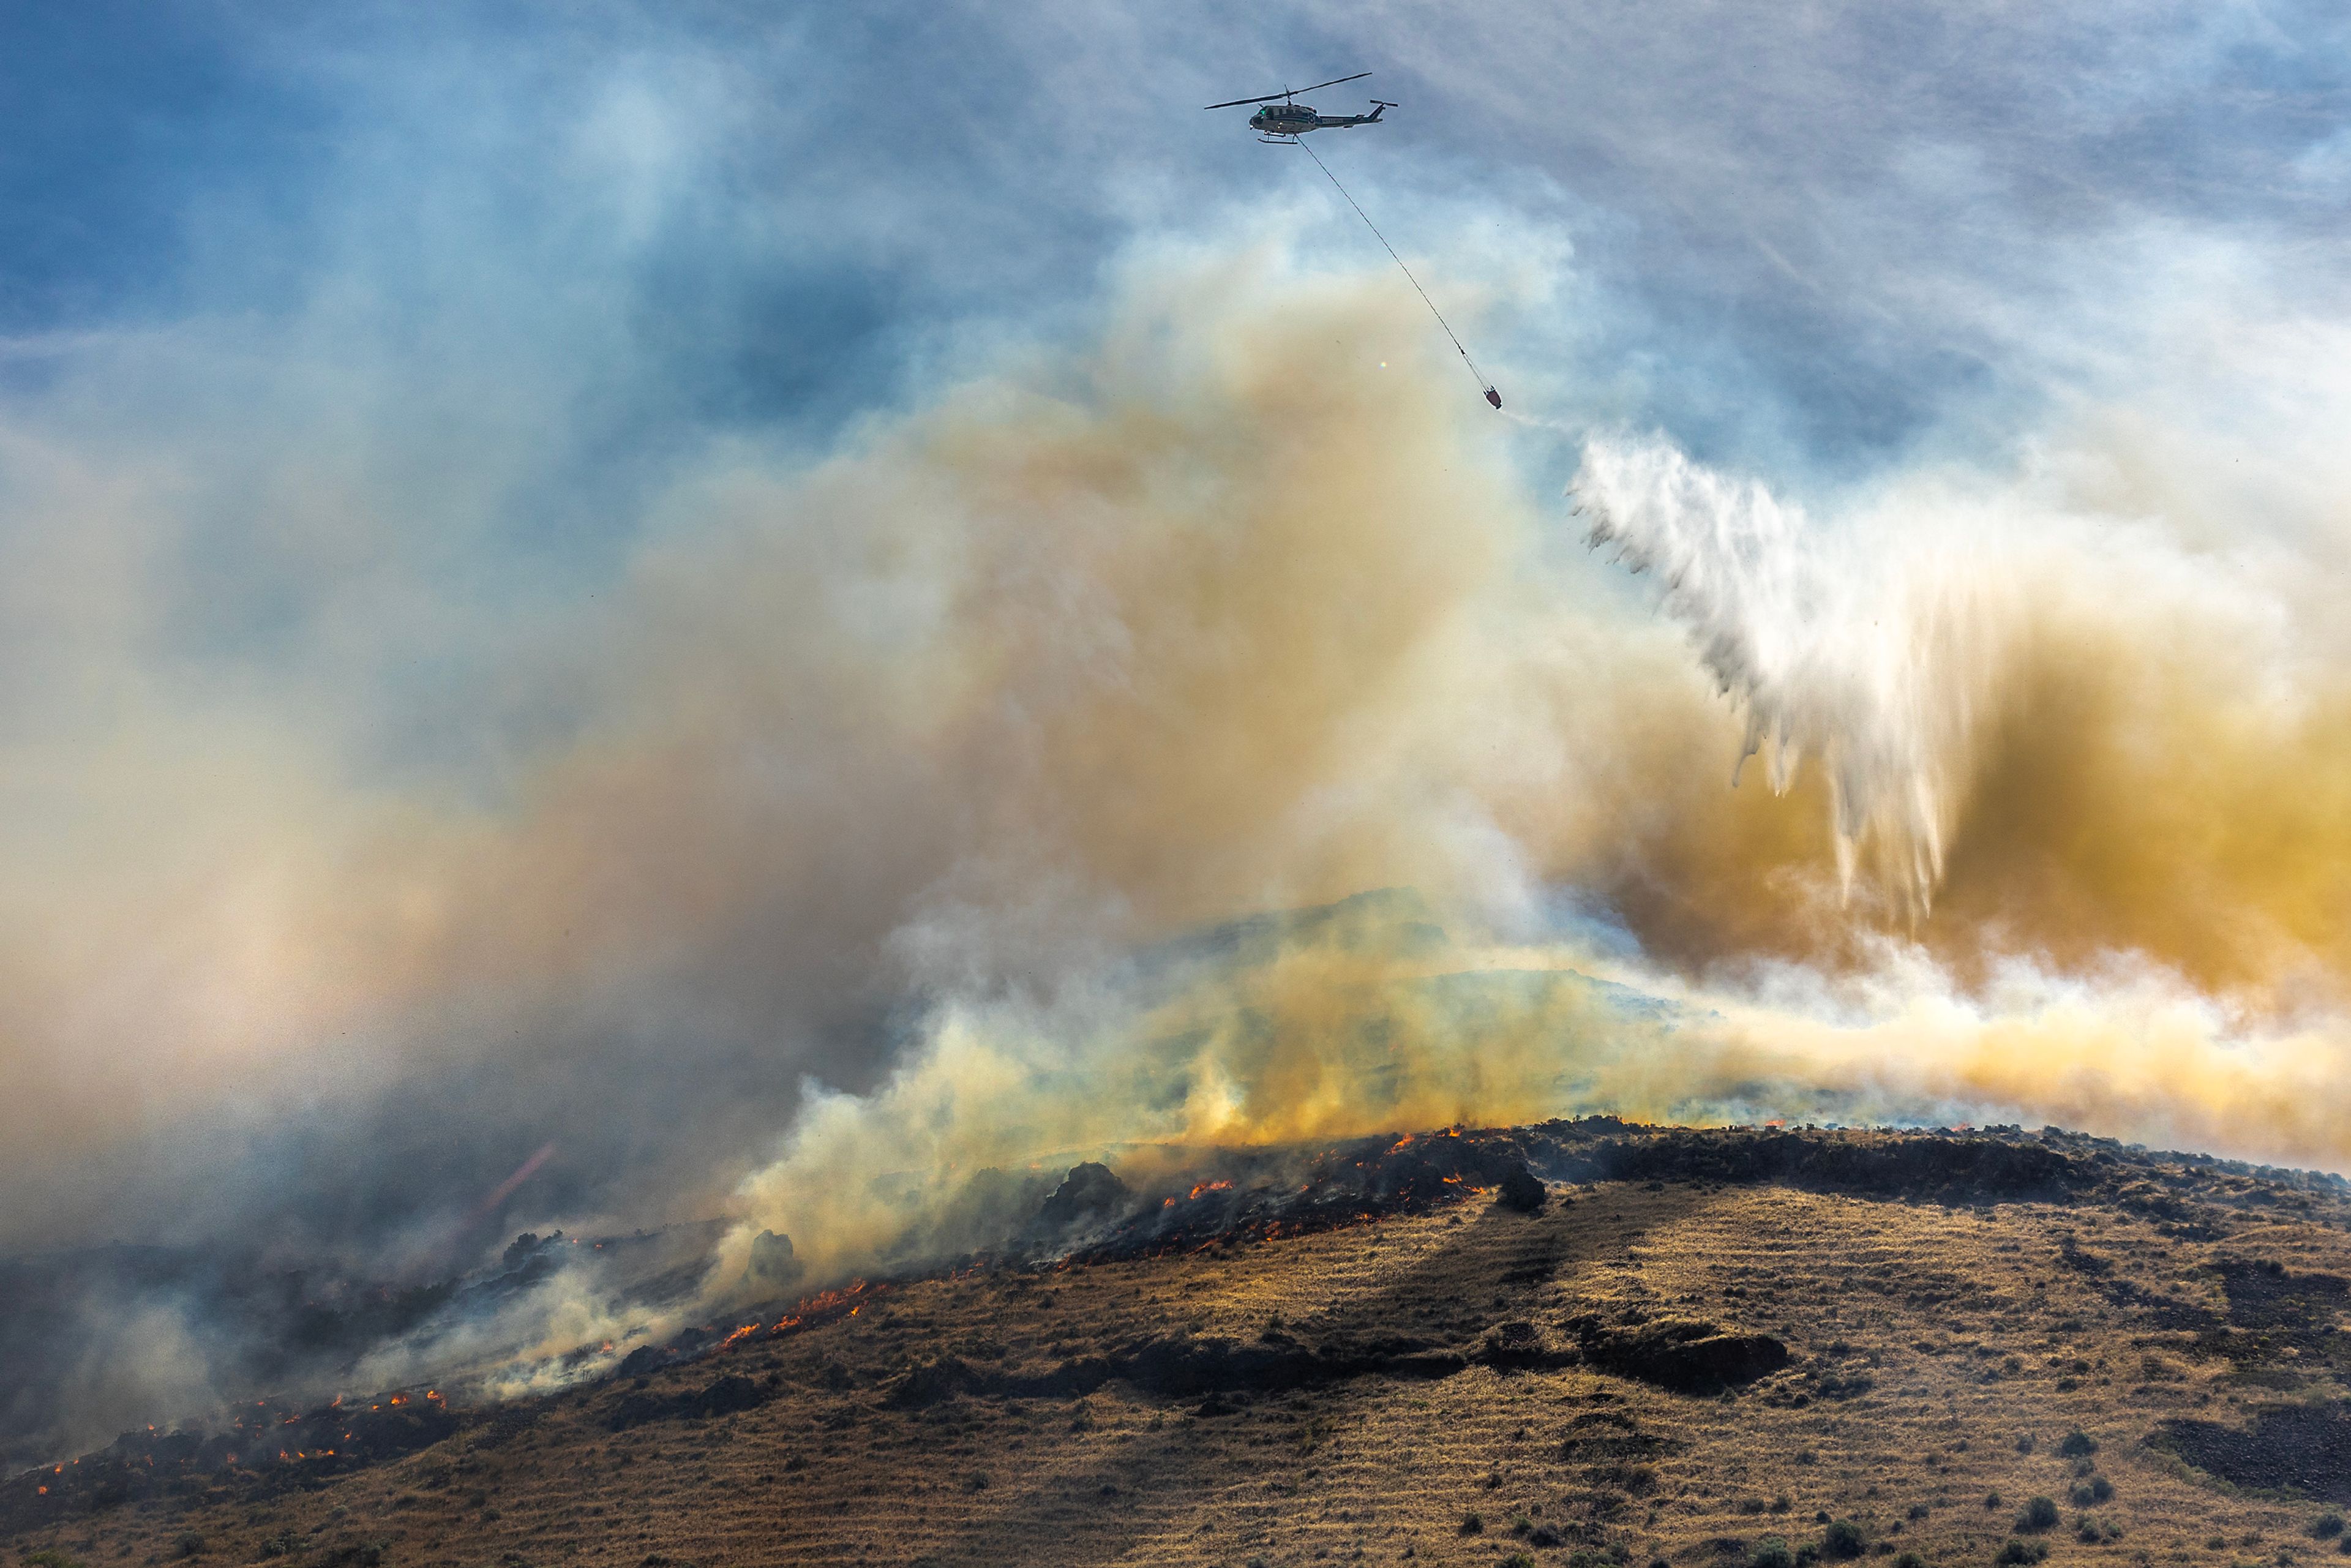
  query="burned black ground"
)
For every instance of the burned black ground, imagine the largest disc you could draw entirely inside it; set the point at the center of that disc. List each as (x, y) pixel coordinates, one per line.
(1711, 1307)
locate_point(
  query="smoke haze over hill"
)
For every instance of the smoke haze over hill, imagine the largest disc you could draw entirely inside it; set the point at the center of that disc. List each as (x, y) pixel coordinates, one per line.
(554, 673)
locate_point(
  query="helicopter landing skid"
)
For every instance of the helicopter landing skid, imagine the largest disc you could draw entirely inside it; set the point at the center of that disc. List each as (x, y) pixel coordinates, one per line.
(1280, 140)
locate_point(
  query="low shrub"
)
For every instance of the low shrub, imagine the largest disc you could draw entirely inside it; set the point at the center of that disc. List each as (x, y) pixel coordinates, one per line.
(1631, 1477)
(2327, 1525)
(2078, 1444)
(1842, 1540)
(2018, 1552)
(2039, 1514)
(1771, 1552)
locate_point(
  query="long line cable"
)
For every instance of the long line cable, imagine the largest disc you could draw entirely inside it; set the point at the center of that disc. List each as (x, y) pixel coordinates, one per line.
(1479, 376)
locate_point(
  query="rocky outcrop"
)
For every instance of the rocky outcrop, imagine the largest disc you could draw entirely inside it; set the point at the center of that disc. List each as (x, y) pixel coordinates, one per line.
(1683, 1354)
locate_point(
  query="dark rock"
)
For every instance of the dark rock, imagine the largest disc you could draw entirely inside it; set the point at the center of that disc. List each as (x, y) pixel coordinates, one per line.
(1688, 1356)
(1520, 1190)
(1091, 1191)
(645, 1358)
(1177, 1367)
(729, 1393)
(933, 1383)
(1521, 1344)
(772, 1262)
(724, 1396)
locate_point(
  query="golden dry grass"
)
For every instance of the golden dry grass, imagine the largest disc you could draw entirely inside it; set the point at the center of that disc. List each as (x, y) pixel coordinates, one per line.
(1929, 1343)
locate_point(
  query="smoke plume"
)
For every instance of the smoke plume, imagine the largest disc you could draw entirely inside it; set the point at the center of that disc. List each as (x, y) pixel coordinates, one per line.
(1191, 726)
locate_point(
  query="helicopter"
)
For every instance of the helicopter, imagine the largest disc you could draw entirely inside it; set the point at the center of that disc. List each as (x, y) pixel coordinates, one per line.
(1289, 119)
(1286, 120)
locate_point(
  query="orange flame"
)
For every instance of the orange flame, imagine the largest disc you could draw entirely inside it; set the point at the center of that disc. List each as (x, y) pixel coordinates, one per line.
(825, 1306)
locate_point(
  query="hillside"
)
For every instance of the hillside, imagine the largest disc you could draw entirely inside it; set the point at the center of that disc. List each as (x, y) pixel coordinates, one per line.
(1711, 1349)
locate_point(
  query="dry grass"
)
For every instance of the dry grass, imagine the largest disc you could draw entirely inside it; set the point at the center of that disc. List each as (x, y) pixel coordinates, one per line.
(1930, 1344)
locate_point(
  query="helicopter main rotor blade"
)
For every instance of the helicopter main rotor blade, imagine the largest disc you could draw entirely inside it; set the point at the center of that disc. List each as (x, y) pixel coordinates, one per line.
(1334, 81)
(1290, 92)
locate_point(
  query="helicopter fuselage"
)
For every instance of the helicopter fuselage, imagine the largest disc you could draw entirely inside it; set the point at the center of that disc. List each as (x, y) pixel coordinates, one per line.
(1297, 119)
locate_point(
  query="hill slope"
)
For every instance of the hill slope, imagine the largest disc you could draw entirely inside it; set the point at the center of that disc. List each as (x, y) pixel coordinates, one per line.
(1700, 1345)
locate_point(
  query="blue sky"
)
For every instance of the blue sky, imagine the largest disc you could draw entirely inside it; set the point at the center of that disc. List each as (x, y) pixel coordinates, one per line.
(354, 360)
(837, 185)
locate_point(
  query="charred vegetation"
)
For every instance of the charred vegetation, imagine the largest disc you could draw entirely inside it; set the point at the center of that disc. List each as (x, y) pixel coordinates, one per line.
(1597, 1317)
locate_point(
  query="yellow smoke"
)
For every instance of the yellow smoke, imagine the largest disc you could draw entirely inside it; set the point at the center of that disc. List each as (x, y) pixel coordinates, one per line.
(1215, 616)
(2049, 823)
(2147, 788)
